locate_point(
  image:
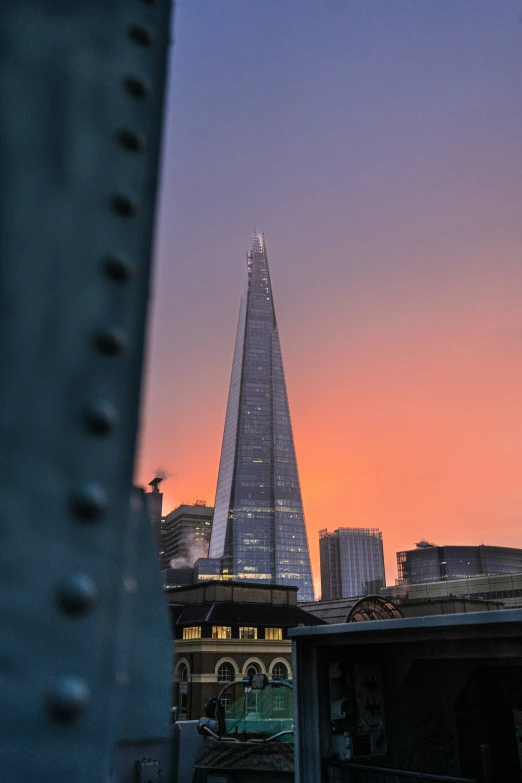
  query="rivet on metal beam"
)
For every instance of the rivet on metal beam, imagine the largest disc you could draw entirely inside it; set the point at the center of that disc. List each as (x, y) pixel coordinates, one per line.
(77, 593)
(89, 502)
(136, 86)
(118, 268)
(68, 699)
(131, 140)
(112, 340)
(140, 35)
(100, 418)
(124, 205)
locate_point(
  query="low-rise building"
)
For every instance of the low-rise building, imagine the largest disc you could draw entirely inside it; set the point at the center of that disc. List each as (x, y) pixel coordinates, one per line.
(503, 587)
(225, 631)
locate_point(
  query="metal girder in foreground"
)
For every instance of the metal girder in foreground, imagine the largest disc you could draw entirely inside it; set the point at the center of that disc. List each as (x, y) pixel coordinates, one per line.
(81, 107)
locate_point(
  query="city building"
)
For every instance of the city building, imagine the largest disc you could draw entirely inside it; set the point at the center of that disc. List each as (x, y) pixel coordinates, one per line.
(431, 563)
(177, 577)
(352, 562)
(154, 503)
(258, 530)
(225, 631)
(186, 535)
(506, 588)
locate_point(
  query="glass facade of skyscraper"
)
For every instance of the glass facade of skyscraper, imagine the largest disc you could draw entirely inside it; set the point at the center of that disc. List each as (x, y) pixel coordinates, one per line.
(258, 529)
(352, 562)
(430, 563)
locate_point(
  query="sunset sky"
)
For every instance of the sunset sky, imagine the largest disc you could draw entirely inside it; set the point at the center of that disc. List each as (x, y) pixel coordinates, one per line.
(378, 145)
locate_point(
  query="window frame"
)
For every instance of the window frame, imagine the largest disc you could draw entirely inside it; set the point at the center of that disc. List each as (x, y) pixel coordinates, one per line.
(216, 629)
(229, 668)
(275, 667)
(252, 665)
(279, 702)
(187, 632)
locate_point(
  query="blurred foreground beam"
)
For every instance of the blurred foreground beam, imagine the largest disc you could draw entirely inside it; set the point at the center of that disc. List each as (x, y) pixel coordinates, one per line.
(81, 107)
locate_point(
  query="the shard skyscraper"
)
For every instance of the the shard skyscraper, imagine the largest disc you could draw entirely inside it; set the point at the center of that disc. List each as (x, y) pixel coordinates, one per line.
(258, 530)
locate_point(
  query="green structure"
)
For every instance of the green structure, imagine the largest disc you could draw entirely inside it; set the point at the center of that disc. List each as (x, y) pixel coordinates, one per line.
(81, 111)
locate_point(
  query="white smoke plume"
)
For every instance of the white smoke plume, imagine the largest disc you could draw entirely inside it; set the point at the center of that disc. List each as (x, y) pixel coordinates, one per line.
(195, 550)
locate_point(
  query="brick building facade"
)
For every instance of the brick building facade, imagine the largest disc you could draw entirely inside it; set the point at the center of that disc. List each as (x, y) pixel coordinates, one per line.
(224, 631)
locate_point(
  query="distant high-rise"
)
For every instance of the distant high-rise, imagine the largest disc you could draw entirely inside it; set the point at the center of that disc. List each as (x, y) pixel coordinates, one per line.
(431, 563)
(352, 562)
(186, 535)
(258, 531)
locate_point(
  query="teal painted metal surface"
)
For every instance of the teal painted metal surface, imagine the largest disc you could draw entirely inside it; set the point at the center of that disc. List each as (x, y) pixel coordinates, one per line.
(80, 109)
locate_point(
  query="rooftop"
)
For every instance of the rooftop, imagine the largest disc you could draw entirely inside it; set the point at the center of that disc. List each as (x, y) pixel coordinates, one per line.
(218, 590)
(250, 614)
(352, 610)
(505, 620)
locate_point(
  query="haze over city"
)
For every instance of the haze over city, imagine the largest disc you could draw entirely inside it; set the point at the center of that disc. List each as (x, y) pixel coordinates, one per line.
(377, 146)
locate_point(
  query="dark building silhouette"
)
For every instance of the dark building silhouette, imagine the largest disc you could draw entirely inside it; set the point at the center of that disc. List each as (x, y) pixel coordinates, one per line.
(258, 530)
(431, 563)
(352, 562)
(177, 577)
(186, 535)
(154, 501)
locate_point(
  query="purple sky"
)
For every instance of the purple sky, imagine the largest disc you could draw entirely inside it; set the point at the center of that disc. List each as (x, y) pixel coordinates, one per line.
(378, 146)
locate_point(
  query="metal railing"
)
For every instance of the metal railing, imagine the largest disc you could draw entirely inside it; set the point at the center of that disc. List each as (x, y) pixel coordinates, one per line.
(348, 772)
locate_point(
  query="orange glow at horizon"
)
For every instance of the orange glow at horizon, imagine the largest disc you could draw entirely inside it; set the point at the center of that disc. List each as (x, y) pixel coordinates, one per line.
(383, 170)
(412, 424)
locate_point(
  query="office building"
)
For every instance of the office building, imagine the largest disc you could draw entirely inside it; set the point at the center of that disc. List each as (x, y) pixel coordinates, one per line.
(352, 562)
(186, 535)
(431, 563)
(258, 530)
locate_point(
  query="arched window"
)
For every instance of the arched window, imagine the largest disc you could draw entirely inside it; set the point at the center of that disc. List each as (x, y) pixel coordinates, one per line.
(252, 670)
(226, 673)
(280, 672)
(183, 674)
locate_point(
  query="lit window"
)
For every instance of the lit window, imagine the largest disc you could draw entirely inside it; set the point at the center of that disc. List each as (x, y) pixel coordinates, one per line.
(246, 632)
(226, 701)
(274, 634)
(280, 672)
(221, 632)
(192, 632)
(225, 673)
